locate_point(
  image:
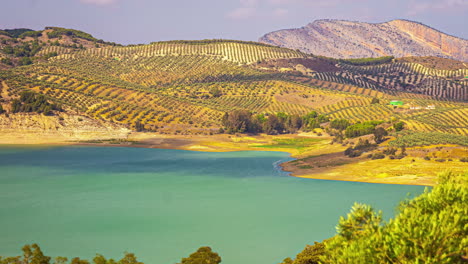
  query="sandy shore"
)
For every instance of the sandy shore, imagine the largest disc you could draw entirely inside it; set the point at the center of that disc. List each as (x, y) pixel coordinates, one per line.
(332, 165)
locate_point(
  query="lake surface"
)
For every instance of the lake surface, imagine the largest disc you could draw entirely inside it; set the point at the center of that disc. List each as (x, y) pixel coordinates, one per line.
(163, 205)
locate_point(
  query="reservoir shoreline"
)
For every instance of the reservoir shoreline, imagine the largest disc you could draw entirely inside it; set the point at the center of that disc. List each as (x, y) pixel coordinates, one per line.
(230, 143)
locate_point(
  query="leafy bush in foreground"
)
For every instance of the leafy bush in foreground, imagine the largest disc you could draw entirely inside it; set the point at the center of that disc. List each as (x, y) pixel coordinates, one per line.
(432, 228)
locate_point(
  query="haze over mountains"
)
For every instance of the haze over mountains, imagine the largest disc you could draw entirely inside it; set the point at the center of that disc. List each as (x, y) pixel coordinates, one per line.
(346, 39)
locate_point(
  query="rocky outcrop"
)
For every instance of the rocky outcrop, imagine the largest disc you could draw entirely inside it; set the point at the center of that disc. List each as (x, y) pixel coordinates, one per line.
(345, 39)
(37, 128)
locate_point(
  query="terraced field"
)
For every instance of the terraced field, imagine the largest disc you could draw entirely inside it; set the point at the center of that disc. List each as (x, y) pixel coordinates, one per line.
(189, 85)
(403, 77)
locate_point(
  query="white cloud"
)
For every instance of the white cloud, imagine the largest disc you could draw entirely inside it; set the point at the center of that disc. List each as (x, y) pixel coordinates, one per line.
(313, 3)
(249, 3)
(268, 9)
(241, 13)
(98, 2)
(280, 12)
(247, 9)
(282, 2)
(418, 7)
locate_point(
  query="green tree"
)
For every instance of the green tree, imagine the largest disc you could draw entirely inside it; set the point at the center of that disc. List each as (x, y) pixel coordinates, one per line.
(273, 125)
(79, 261)
(310, 118)
(60, 260)
(282, 117)
(379, 134)
(100, 259)
(6, 61)
(216, 92)
(340, 124)
(129, 258)
(293, 123)
(139, 126)
(403, 150)
(11, 260)
(311, 254)
(287, 261)
(8, 50)
(238, 121)
(37, 255)
(27, 254)
(431, 228)
(204, 255)
(25, 61)
(399, 126)
(361, 129)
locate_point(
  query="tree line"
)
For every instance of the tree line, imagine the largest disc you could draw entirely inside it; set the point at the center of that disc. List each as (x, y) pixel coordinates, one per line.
(367, 61)
(244, 121)
(32, 254)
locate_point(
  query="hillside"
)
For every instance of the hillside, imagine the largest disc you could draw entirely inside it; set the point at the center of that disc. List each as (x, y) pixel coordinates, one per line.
(186, 87)
(346, 39)
(25, 46)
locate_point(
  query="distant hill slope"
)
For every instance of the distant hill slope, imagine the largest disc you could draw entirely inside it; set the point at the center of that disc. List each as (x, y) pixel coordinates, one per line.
(188, 86)
(345, 39)
(24, 46)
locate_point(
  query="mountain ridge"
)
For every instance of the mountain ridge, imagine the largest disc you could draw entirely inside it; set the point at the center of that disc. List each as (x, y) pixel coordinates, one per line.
(350, 39)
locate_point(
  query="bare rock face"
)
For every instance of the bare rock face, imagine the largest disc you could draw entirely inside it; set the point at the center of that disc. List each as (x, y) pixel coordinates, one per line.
(29, 128)
(345, 39)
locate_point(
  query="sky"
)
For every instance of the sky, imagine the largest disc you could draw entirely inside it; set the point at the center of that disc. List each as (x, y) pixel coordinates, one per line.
(145, 21)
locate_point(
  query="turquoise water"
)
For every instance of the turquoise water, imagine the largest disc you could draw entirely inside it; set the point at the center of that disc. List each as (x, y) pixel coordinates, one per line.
(164, 204)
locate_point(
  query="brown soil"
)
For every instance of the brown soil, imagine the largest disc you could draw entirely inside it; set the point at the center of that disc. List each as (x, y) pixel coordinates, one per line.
(436, 62)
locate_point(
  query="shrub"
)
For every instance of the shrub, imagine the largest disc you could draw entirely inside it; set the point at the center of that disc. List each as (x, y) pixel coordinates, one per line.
(378, 156)
(33, 34)
(399, 126)
(6, 61)
(32, 102)
(362, 146)
(340, 124)
(25, 61)
(431, 228)
(390, 151)
(361, 129)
